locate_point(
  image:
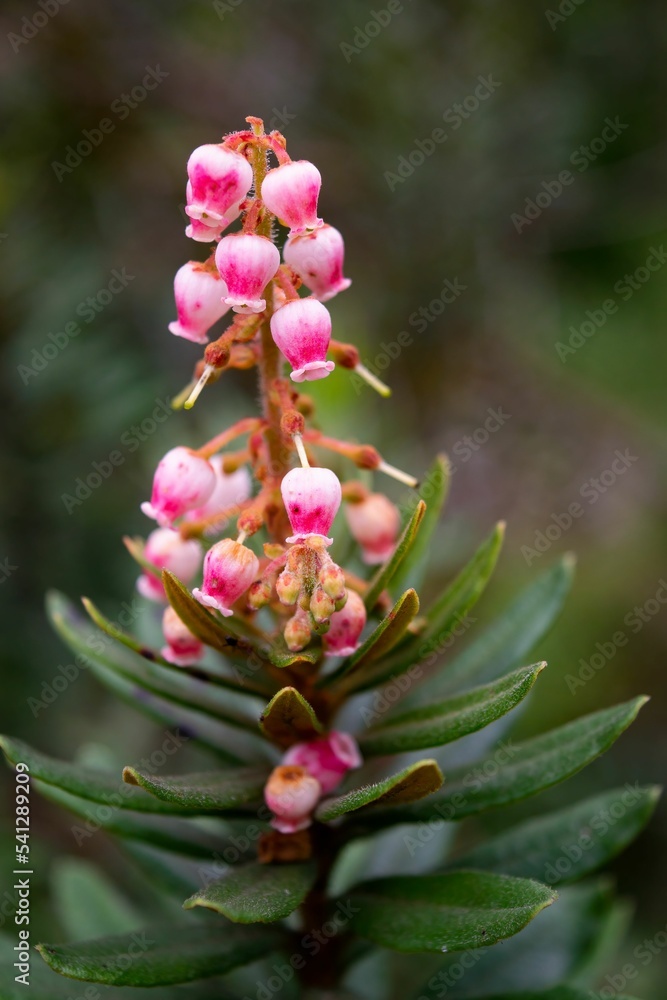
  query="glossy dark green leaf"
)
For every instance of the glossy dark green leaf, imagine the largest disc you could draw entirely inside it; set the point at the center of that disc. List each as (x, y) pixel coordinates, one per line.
(288, 718)
(564, 846)
(446, 721)
(161, 956)
(412, 783)
(204, 792)
(451, 912)
(281, 657)
(386, 572)
(433, 490)
(517, 771)
(381, 641)
(504, 643)
(256, 893)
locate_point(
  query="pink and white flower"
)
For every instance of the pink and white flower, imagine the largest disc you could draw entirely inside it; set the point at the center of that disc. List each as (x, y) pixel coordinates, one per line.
(317, 258)
(291, 192)
(247, 263)
(182, 647)
(165, 549)
(199, 293)
(291, 794)
(218, 180)
(345, 627)
(302, 331)
(327, 759)
(183, 480)
(312, 497)
(229, 569)
(231, 490)
(375, 524)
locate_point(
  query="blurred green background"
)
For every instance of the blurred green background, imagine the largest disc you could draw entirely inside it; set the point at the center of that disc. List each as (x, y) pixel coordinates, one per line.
(479, 208)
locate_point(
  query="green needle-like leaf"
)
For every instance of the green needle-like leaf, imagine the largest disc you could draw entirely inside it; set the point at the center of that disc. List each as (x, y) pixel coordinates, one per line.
(435, 725)
(386, 572)
(161, 956)
(433, 489)
(202, 793)
(257, 893)
(412, 783)
(450, 912)
(281, 657)
(288, 718)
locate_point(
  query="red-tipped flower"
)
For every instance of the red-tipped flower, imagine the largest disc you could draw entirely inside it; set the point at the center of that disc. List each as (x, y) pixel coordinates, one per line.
(345, 627)
(312, 498)
(291, 794)
(375, 524)
(229, 569)
(218, 180)
(183, 480)
(247, 263)
(327, 759)
(291, 192)
(317, 258)
(302, 331)
(198, 293)
(165, 549)
(182, 647)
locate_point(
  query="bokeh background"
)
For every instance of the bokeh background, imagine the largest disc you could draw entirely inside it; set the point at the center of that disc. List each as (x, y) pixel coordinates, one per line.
(358, 101)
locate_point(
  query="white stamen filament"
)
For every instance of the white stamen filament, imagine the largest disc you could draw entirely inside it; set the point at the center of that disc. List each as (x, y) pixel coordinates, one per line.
(301, 451)
(205, 376)
(372, 380)
(178, 401)
(242, 537)
(403, 477)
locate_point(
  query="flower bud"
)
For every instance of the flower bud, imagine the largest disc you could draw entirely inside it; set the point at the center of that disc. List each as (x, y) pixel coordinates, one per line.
(317, 258)
(218, 179)
(259, 594)
(183, 648)
(183, 480)
(375, 523)
(321, 606)
(291, 793)
(198, 292)
(346, 627)
(327, 759)
(332, 580)
(231, 489)
(297, 632)
(291, 191)
(288, 587)
(312, 498)
(247, 263)
(302, 331)
(166, 549)
(229, 569)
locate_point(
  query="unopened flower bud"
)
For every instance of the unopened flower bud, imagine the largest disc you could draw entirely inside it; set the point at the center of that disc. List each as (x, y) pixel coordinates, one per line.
(321, 606)
(312, 498)
(218, 180)
(229, 569)
(346, 627)
(297, 632)
(317, 258)
(291, 192)
(183, 648)
(332, 580)
(327, 759)
(165, 549)
(291, 793)
(375, 523)
(198, 293)
(247, 263)
(288, 587)
(259, 594)
(183, 480)
(302, 331)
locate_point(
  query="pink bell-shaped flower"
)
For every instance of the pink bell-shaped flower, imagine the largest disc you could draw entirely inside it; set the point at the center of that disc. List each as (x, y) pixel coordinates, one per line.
(291, 191)
(375, 524)
(312, 498)
(302, 331)
(199, 293)
(183, 480)
(229, 569)
(246, 263)
(231, 489)
(327, 759)
(291, 794)
(182, 647)
(345, 627)
(218, 179)
(317, 258)
(165, 549)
